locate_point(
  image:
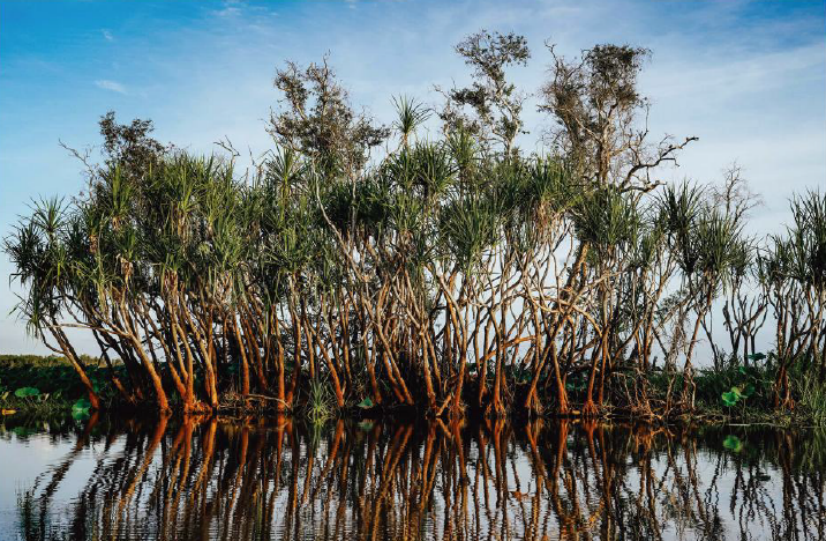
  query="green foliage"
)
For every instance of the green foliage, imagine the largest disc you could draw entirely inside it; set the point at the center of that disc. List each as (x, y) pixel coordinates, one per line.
(319, 403)
(730, 398)
(54, 379)
(27, 392)
(813, 400)
(469, 229)
(608, 221)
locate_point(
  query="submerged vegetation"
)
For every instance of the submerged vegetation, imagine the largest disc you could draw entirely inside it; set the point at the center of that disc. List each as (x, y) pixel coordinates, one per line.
(364, 265)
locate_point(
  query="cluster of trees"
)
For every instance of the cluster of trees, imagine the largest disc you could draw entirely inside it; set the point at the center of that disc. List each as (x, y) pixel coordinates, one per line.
(429, 272)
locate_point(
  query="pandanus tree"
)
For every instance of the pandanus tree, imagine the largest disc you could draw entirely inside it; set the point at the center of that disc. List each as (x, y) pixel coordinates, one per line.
(40, 250)
(607, 224)
(469, 231)
(639, 300)
(722, 253)
(710, 249)
(808, 266)
(792, 272)
(534, 230)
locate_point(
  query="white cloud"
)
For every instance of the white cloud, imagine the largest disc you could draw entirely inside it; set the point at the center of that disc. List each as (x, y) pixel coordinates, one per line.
(107, 35)
(231, 8)
(114, 86)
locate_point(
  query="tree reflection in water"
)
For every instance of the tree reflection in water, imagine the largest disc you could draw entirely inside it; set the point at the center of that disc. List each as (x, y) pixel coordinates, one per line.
(207, 479)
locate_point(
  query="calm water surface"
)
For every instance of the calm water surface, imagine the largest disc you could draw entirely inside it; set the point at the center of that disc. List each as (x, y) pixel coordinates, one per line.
(144, 479)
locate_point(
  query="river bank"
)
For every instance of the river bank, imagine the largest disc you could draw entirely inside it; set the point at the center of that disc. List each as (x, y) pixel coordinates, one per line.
(44, 387)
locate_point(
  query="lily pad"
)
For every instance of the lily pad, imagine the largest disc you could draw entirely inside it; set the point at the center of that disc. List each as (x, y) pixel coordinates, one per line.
(80, 409)
(27, 392)
(23, 431)
(730, 398)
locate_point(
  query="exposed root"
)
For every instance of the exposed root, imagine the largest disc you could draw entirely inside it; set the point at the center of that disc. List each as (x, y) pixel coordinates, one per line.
(787, 404)
(533, 406)
(496, 410)
(590, 409)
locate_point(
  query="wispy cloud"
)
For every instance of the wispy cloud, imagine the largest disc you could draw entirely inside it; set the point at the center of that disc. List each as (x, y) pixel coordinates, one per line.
(231, 8)
(114, 86)
(107, 35)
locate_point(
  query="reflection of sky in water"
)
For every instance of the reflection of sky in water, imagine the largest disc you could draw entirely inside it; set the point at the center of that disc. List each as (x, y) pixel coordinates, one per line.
(22, 460)
(246, 483)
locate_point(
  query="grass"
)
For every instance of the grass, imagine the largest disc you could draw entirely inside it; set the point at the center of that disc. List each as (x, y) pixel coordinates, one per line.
(734, 392)
(813, 400)
(319, 403)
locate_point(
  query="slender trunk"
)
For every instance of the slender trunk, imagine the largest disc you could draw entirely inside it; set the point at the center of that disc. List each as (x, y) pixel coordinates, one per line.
(71, 355)
(245, 369)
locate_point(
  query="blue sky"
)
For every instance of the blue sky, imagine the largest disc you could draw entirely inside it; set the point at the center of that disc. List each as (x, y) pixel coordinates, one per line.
(747, 78)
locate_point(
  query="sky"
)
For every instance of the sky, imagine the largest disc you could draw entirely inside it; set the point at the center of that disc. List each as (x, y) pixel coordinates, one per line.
(746, 77)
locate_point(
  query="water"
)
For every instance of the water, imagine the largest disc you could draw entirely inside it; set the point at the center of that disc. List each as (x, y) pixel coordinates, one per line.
(144, 479)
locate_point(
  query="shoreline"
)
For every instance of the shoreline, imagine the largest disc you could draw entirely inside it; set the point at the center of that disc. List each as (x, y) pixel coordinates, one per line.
(59, 394)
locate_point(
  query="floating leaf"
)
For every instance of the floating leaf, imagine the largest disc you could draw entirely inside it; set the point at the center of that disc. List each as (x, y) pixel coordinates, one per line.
(26, 392)
(80, 409)
(730, 398)
(82, 404)
(366, 403)
(23, 431)
(757, 356)
(733, 443)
